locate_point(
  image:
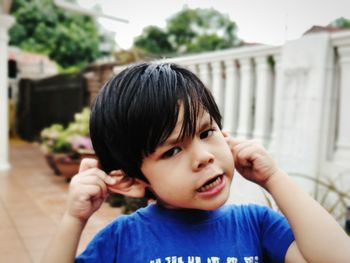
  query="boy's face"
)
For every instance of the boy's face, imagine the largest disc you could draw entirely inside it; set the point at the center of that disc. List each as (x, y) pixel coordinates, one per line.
(194, 173)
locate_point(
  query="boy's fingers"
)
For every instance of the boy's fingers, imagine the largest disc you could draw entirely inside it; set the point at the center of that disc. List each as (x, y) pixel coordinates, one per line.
(246, 154)
(237, 144)
(87, 163)
(233, 142)
(95, 180)
(107, 179)
(117, 176)
(121, 179)
(242, 145)
(95, 191)
(92, 170)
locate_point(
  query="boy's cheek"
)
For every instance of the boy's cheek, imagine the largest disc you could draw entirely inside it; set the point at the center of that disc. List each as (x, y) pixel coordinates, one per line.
(229, 144)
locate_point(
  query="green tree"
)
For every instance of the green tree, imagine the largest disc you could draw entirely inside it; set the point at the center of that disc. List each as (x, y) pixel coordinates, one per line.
(189, 31)
(154, 40)
(341, 23)
(67, 38)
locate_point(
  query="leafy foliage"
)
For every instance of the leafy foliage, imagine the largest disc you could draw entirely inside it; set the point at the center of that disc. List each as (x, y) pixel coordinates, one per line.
(154, 40)
(67, 38)
(74, 138)
(341, 23)
(189, 31)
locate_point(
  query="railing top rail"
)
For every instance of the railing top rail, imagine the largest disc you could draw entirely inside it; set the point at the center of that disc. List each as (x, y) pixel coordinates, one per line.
(220, 55)
(341, 38)
(232, 53)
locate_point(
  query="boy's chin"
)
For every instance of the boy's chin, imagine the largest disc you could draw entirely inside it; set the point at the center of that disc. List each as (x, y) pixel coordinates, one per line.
(214, 205)
(206, 206)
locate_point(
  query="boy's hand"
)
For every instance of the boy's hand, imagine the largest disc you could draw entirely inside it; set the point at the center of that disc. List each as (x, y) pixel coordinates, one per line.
(252, 160)
(88, 190)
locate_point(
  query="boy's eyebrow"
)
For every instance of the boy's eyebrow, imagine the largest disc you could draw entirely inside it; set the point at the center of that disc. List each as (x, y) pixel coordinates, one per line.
(172, 141)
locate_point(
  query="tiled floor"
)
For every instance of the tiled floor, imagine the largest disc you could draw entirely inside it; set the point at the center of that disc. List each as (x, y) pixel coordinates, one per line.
(32, 201)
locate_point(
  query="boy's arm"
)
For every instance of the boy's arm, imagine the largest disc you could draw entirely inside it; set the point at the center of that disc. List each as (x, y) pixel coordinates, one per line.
(87, 191)
(318, 237)
(64, 246)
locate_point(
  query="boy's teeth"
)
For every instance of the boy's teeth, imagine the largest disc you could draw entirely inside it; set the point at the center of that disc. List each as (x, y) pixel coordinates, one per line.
(211, 185)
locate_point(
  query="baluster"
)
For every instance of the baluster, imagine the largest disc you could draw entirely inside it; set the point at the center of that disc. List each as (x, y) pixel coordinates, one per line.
(217, 87)
(263, 100)
(204, 74)
(231, 97)
(276, 104)
(245, 119)
(343, 143)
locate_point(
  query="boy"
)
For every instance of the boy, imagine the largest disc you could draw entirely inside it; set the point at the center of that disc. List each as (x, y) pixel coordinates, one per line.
(156, 129)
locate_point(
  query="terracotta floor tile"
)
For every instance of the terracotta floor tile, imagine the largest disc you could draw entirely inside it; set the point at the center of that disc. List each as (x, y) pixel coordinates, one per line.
(36, 255)
(29, 231)
(35, 243)
(32, 202)
(15, 257)
(10, 241)
(5, 222)
(32, 221)
(25, 209)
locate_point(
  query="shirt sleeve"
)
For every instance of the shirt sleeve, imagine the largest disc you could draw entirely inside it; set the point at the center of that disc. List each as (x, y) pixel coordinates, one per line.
(277, 234)
(102, 248)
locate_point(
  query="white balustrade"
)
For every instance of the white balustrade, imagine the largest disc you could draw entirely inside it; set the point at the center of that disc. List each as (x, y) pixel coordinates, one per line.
(230, 75)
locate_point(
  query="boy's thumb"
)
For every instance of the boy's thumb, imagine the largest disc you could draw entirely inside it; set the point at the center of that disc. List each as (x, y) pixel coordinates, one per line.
(88, 163)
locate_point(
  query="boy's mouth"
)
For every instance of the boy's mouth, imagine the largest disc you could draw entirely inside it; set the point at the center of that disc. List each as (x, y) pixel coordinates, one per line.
(211, 184)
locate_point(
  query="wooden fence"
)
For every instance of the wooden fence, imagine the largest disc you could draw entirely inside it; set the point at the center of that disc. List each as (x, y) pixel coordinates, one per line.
(47, 101)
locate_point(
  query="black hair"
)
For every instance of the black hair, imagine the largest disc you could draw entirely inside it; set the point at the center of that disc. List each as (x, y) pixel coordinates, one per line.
(138, 109)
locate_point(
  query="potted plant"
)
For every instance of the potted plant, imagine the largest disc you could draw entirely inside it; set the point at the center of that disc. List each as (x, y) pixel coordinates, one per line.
(65, 147)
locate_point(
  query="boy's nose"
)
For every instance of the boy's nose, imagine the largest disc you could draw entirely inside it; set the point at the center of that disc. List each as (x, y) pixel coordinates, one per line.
(201, 157)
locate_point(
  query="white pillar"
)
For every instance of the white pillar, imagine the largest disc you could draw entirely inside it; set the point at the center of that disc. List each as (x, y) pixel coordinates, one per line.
(343, 142)
(307, 66)
(245, 119)
(5, 23)
(263, 100)
(231, 97)
(204, 74)
(217, 87)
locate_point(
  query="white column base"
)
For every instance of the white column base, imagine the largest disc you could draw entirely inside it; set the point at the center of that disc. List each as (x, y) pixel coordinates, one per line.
(5, 167)
(342, 154)
(5, 23)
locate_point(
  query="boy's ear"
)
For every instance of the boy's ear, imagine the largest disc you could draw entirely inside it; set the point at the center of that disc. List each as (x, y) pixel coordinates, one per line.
(127, 185)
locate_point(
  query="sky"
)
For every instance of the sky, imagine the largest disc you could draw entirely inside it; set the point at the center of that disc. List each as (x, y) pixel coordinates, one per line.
(271, 22)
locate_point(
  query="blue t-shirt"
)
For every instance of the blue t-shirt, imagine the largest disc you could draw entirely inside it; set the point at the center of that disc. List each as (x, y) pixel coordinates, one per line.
(230, 234)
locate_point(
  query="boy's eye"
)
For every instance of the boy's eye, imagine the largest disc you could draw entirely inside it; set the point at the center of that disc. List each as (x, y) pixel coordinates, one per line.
(171, 152)
(206, 133)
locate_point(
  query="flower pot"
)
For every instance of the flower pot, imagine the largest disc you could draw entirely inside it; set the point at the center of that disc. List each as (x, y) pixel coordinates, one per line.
(52, 163)
(66, 166)
(83, 153)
